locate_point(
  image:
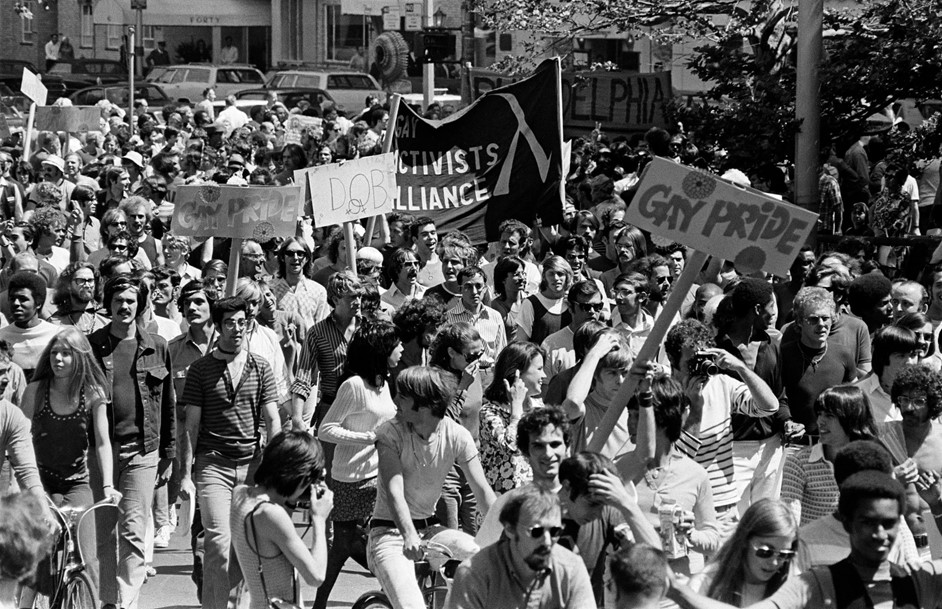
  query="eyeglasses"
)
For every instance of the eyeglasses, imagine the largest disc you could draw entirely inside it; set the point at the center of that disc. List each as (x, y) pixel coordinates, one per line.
(815, 319)
(906, 401)
(119, 223)
(766, 552)
(538, 531)
(668, 280)
(119, 248)
(472, 357)
(84, 280)
(234, 323)
(254, 256)
(590, 307)
(295, 254)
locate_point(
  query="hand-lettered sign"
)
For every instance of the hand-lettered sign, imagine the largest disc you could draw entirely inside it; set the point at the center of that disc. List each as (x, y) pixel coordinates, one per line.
(68, 118)
(295, 124)
(254, 212)
(32, 87)
(341, 192)
(707, 213)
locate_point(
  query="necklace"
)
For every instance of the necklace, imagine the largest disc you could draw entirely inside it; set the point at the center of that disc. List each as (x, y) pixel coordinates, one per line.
(421, 461)
(814, 359)
(653, 475)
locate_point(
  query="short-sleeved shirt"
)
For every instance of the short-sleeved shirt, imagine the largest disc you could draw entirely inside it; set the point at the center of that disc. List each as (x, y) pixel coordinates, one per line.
(425, 464)
(229, 424)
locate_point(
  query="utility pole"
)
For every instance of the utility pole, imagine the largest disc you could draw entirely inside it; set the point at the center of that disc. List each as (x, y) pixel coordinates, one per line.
(428, 69)
(467, 52)
(131, 42)
(807, 103)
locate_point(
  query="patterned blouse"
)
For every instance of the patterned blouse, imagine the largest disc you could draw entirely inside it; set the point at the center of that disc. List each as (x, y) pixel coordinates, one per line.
(808, 485)
(505, 467)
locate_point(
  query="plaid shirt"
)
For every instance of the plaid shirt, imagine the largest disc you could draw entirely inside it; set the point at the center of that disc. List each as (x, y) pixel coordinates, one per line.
(306, 301)
(831, 202)
(488, 323)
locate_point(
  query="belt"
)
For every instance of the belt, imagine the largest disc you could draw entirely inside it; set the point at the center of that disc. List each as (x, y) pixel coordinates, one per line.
(420, 524)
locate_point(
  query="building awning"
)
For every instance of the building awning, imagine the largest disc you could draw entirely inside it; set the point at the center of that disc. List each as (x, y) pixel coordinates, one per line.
(229, 13)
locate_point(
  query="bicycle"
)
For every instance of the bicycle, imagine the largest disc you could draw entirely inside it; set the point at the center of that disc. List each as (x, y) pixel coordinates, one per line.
(444, 550)
(67, 584)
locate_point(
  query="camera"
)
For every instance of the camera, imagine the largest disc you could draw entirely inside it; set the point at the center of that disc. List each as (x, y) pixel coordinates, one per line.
(703, 364)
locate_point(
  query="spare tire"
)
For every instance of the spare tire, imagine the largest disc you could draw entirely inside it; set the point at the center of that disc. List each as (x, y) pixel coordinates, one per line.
(391, 55)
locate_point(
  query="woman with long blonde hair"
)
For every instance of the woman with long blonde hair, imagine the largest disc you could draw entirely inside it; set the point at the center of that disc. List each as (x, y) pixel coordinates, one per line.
(756, 560)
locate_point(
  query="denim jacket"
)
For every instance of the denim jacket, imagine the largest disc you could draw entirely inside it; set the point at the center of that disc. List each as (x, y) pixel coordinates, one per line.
(154, 386)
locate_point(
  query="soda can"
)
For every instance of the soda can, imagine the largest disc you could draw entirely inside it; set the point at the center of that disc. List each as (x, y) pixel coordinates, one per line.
(673, 538)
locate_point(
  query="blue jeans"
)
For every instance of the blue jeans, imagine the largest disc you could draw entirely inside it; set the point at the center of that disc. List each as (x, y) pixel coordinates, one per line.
(215, 478)
(121, 539)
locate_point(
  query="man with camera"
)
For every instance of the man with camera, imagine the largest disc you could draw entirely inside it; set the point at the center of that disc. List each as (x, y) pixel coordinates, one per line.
(707, 437)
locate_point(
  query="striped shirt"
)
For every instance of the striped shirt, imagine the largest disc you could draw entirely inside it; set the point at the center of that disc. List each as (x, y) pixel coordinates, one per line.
(323, 353)
(230, 419)
(307, 300)
(488, 323)
(713, 449)
(808, 485)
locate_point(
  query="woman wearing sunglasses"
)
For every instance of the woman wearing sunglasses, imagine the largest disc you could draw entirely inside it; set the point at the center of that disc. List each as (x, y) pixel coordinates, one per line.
(756, 560)
(515, 390)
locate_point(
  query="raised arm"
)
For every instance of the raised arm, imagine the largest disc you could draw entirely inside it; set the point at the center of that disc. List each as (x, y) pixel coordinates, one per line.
(581, 384)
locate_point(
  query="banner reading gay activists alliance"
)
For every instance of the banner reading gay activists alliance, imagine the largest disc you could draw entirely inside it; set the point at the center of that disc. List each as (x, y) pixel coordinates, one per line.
(499, 158)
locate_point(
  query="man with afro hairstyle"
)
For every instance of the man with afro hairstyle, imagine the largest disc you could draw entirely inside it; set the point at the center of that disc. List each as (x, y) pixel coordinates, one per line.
(869, 299)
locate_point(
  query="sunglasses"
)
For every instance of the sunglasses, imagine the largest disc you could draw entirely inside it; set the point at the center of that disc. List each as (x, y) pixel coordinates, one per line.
(766, 552)
(473, 357)
(538, 531)
(593, 307)
(295, 254)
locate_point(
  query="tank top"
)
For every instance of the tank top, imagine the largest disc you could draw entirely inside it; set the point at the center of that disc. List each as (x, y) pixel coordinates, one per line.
(544, 322)
(279, 573)
(61, 441)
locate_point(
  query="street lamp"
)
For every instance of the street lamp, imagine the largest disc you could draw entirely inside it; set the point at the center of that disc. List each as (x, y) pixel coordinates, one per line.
(438, 18)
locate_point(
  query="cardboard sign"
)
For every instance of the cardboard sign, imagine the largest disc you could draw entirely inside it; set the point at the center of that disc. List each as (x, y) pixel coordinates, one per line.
(68, 118)
(32, 87)
(254, 212)
(341, 192)
(707, 213)
(624, 102)
(296, 124)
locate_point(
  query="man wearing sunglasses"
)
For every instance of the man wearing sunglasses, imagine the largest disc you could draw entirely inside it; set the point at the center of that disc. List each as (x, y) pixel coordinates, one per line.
(586, 304)
(526, 567)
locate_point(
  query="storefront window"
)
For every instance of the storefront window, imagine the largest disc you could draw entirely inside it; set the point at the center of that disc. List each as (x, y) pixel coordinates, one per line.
(344, 34)
(88, 27)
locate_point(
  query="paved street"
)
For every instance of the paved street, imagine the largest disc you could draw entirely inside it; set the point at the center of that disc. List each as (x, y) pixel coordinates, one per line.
(172, 588)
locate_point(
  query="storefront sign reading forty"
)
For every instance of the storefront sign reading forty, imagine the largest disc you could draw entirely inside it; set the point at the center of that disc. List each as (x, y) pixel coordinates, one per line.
(702, 211)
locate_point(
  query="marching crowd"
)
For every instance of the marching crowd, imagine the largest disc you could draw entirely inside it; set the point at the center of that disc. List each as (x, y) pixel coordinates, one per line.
(785, 436)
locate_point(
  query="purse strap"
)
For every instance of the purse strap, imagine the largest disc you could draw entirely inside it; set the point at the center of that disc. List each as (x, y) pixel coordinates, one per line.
(261, 573)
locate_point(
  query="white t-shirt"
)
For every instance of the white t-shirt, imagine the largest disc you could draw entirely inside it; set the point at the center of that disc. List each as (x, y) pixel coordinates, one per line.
(29, 343)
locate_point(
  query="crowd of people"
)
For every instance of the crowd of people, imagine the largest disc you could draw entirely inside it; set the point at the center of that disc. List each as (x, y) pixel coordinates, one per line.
(785, 435)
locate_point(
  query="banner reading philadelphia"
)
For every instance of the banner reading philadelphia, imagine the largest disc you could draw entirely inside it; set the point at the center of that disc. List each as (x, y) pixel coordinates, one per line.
(499, 158)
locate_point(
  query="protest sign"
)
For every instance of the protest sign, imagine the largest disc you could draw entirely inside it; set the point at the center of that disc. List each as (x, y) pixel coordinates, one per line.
(32, 87)
(296, 124)
(68, 118)
(254, 212)
(499, 158)
(698, 209)
(342, 192)
(623, 102)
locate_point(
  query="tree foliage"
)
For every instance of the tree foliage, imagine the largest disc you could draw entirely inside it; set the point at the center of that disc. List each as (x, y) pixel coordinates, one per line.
(880, 52)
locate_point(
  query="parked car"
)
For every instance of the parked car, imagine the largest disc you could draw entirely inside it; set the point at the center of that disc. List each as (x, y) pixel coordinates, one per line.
(11, 75)
(118, 94)
(13, 118)
(289, 97)
(74, 74)
(348, 89)
(14, 99)
(188, 81)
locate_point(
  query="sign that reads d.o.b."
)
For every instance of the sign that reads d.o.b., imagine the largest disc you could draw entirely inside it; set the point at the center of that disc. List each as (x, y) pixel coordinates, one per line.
(254, 212)
(702, 211)
(341, 192)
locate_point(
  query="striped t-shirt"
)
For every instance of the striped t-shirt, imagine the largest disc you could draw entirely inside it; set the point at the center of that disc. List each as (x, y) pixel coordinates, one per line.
(713, 449)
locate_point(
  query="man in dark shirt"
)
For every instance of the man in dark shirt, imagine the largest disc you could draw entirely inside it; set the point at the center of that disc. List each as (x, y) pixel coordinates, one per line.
(227, 393)
(811, 360)
(144, 429)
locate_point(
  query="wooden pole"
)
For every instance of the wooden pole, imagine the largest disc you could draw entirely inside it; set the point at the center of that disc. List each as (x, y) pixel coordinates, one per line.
(235, 259)
(807, 105)
(28, 138)
(387, 147)
(649, 349)
(351, 246)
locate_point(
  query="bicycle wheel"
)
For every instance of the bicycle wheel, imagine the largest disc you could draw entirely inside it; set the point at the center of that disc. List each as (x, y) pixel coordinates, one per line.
(372, 600)
(80, 593)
